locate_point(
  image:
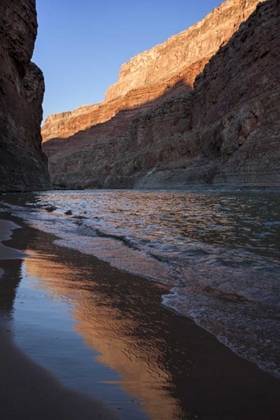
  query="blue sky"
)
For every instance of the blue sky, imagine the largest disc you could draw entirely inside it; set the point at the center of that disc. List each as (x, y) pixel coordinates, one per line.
(82, 44)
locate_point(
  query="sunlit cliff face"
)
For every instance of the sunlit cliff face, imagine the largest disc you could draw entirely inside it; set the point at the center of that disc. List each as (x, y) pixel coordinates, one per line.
(101, 315)
(150, 75)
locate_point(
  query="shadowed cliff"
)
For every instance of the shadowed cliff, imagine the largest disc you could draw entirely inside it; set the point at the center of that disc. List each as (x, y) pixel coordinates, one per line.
(148, 75)
(23, 165)
(223, 132)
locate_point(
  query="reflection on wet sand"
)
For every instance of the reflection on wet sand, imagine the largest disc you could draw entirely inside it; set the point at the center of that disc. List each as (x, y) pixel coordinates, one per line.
(176, 369)
(115, 326)
(10, 271)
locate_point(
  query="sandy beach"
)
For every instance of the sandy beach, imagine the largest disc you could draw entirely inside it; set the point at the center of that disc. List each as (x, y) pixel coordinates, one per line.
(176, 369)
(27, 390)
(30, 392)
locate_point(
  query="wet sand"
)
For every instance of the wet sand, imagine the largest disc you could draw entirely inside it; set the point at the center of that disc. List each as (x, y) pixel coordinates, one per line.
(28, 391)
(177, 369)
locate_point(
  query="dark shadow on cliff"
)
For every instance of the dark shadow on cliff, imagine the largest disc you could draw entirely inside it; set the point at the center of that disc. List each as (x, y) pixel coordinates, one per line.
(117, 124)
(223, 132)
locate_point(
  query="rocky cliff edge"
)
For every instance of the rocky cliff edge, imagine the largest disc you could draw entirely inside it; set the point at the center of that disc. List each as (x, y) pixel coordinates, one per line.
(223, 132)
(23, 165)
(153, 73)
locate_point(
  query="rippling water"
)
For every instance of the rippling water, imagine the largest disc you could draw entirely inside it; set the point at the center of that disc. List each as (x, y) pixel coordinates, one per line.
(219, 252)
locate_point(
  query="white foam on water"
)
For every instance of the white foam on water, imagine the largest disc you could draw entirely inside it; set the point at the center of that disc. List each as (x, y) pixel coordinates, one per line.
(218, 251)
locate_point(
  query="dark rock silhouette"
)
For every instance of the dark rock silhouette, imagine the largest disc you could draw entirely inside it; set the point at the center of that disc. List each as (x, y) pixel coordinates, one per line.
(23, 165)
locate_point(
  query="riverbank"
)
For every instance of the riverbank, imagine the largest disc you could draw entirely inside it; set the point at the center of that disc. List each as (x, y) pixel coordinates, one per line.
(171, 366)
(30, 392)
(27, 391)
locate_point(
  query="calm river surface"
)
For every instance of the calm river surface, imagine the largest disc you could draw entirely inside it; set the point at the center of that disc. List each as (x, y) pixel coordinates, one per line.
(218, 251)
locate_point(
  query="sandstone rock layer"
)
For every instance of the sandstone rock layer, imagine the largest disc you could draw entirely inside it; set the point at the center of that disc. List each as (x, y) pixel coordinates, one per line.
(154, 73)
(180, 51)
(224, 131)
(23, 165)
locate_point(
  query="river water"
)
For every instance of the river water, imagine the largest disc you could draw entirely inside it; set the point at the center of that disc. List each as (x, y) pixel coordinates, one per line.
(219, 251)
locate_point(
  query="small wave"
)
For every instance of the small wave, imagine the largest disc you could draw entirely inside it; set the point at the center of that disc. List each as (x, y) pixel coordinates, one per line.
(219, 252)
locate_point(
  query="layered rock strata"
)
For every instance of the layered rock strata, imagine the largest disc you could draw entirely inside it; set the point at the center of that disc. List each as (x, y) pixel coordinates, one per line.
(223, 132)
(23, 165)
(153, 73)
(201, 40)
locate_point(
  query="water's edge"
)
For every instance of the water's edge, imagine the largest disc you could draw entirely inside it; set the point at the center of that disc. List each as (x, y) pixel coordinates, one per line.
(227, 278)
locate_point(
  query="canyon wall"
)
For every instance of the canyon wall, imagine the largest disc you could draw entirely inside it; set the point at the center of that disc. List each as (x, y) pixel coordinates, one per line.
(23, 165)
(201, 40)
(153, 73)
(224, 131)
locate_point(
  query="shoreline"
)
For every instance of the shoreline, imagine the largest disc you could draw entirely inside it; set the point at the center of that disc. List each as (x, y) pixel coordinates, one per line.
(217, 373)
(29, 391)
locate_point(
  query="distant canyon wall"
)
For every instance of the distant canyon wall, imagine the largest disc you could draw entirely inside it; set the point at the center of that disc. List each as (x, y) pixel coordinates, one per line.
(23, 165)
(224, 131)
(151, 74)
(180, 51)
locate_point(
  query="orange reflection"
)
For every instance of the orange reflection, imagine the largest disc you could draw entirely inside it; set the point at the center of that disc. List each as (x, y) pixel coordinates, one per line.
(104, 328)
